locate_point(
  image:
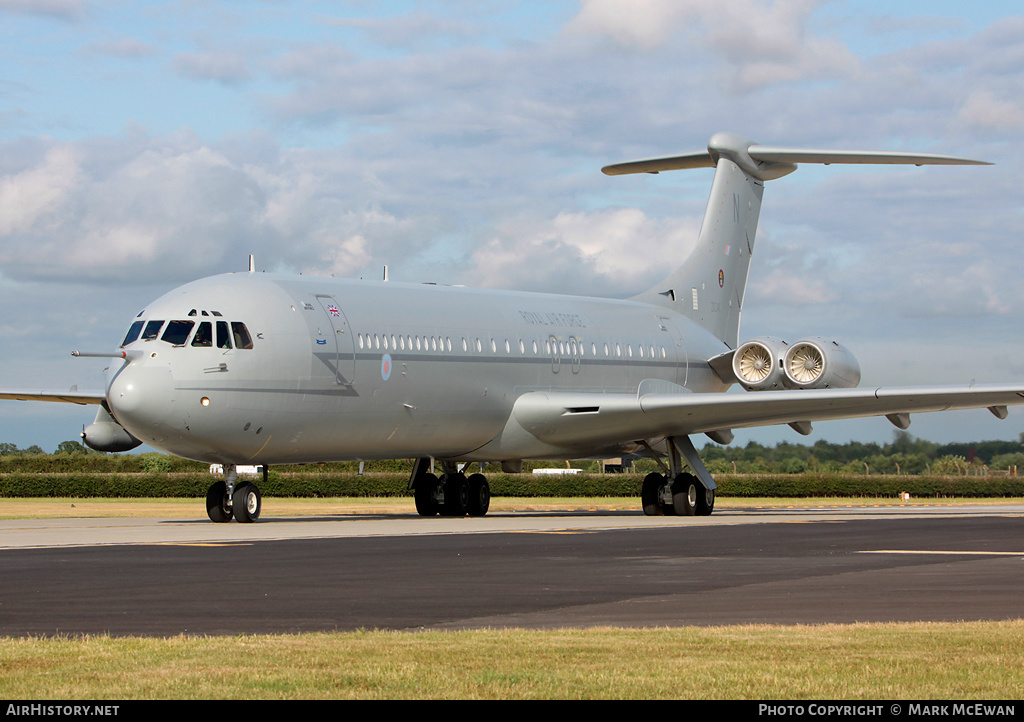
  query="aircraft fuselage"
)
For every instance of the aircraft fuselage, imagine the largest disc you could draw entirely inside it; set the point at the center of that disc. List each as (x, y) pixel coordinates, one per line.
(346, 369)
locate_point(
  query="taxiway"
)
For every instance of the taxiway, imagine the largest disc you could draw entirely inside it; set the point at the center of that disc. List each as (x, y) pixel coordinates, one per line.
(538, 570)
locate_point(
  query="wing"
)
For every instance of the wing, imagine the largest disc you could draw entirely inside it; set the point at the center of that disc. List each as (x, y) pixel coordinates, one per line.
(71, 396)
(585, 419)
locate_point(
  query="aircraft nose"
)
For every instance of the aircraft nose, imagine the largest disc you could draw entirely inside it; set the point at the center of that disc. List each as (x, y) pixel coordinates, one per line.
(140, 398)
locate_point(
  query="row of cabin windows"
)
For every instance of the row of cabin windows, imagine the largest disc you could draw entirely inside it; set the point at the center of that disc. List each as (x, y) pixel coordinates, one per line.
(573, 347)
(208, 334)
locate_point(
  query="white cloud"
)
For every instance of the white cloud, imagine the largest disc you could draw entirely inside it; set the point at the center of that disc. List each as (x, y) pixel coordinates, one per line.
(985, 112)
(30, 198)
(603, 253)
(763, 42)
(224, 67)
(62, 9)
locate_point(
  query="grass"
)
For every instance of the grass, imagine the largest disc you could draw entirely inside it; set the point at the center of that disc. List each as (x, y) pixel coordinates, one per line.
(978, 660)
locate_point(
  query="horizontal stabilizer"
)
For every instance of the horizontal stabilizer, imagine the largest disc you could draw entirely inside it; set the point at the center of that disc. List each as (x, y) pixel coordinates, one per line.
(656, 165)
(795, 155)
(768, 162)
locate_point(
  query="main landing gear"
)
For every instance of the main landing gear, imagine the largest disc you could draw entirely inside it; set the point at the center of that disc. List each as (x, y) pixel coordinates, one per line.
(453, 494)
(677, 493)
(230, 498)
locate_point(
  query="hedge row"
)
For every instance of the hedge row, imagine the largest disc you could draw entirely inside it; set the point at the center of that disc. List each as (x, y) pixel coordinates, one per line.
(315, 484)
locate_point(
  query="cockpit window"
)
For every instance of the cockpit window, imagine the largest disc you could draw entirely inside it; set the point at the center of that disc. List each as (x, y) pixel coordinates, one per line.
(204, 335)
(177, 332)
(152, 330)
(241, 334)
(223, 336)
(133, 333)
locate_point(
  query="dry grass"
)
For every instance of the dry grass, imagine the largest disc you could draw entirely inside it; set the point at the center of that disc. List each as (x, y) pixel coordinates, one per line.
(877, 661)
(67, 508)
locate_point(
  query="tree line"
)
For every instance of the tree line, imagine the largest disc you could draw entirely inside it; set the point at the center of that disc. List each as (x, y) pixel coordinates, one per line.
(905, 454)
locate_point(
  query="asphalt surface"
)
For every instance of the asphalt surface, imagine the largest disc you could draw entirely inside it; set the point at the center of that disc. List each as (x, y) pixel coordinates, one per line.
(166, 577)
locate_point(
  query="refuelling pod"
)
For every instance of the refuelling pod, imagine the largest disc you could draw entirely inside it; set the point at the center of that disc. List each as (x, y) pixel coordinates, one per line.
(757, 364)
(820, 363)
(105, 434)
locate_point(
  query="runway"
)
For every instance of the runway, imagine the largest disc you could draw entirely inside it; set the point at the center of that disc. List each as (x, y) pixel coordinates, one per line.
(537, 570)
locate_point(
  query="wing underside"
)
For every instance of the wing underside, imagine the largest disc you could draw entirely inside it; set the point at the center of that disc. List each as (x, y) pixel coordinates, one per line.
(71, 396)
(583, 419)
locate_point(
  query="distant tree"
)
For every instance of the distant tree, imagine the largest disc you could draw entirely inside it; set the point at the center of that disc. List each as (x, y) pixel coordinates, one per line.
(8, 448)
(71, 447)
(34, 450)
(950, 464)
(1008, 461)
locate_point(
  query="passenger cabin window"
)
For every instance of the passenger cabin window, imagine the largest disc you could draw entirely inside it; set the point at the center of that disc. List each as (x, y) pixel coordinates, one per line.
(177, 332)
(133, 333)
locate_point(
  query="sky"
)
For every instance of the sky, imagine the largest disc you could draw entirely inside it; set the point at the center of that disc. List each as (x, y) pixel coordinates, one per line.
(147, 144)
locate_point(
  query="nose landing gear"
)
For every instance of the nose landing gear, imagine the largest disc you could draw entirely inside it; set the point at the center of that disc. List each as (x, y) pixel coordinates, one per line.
(226, 499)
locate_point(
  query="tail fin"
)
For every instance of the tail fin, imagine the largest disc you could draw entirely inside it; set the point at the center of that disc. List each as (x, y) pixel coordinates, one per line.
(709, 285)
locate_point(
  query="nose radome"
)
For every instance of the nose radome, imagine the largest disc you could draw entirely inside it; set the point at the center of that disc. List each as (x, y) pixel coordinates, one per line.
(140, 398)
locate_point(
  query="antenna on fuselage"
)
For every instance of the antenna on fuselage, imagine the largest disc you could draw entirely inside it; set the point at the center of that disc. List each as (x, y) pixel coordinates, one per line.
(252, 263)
(385, 273)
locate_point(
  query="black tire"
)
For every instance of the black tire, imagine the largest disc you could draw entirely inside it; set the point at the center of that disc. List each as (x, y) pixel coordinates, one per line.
(705, 501)
(246, 503)
(456, 495)
(685, 494)
(426, 487)
(217, 506)
(479, 495)
(650, 494)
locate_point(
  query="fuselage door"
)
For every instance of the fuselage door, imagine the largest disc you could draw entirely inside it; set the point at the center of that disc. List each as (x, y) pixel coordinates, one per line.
(675, 347)
(335, 342)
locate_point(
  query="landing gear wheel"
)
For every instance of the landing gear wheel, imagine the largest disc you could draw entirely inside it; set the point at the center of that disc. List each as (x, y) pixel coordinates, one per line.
(684, 494)
(705, 501)
(426, 492)
(246, 503)
(456, 495)
(650, 494)
(217, 506)
(479, 495)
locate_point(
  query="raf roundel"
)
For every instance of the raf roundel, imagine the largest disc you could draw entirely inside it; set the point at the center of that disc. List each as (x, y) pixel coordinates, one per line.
(385, 367)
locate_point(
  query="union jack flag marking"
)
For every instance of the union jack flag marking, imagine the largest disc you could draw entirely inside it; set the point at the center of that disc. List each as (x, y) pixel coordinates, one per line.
(333, 310)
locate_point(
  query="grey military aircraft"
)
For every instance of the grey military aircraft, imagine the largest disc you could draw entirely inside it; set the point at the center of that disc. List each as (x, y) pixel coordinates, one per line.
(257, 368)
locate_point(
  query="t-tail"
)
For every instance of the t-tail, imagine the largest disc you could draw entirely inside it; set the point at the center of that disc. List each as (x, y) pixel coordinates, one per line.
(709, 285)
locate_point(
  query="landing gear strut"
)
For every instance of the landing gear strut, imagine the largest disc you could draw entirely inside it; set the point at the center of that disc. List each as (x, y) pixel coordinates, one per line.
(686, 494)
(227, 499)
(453, 494)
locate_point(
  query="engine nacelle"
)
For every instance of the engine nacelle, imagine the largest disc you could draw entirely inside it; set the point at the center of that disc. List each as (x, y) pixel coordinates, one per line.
(820, 363)
(757, 364)
(105, 434)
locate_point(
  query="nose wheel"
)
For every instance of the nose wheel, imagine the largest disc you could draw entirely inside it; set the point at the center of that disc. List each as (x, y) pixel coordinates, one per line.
(226, 499)
(218, 505)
